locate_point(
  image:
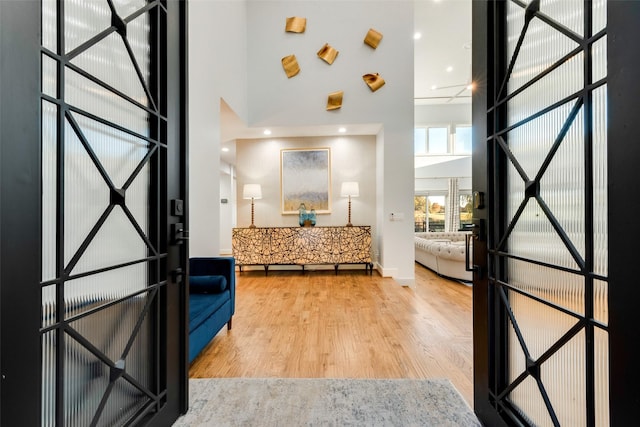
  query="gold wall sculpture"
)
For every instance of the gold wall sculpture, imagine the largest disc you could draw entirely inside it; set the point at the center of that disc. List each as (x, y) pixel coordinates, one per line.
(334, 100)
(290, 65)
(374, 81)
(295, 24)
(328, 53)
(373, 38)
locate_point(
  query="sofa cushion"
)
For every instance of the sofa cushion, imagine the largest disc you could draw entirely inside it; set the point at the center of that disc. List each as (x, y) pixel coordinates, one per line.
(202, 305)
(207, 284)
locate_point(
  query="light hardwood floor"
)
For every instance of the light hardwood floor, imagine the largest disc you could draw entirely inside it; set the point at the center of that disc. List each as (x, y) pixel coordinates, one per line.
(352, 325)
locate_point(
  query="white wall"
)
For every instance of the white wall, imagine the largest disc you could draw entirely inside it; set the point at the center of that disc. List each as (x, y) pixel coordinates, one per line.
(275, 100)
(217, 70)
(352, 159)
(228, 209)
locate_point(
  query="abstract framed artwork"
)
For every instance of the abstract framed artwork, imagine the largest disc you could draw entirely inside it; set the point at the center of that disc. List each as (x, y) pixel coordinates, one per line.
(305, 177)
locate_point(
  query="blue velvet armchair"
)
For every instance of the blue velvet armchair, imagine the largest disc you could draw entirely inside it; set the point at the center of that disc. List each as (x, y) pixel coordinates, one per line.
(212, 295)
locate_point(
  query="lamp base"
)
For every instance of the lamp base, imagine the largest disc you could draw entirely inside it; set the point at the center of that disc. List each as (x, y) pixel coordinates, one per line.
(349, 225)
(252, 226)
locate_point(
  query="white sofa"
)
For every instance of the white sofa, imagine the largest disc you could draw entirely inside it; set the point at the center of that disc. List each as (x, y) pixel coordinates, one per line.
(443, 253)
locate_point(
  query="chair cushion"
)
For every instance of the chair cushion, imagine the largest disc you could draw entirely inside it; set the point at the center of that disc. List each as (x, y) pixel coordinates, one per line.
(207, 284)
(202, 306)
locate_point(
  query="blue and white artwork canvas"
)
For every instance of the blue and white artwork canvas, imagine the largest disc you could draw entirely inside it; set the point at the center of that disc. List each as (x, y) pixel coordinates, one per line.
(305, 177)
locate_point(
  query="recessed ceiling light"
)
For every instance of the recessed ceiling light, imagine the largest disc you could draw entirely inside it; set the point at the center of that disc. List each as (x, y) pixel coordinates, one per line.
(449, 69)
(470, 86)
(225, 149)
(342, 130)
(434, 87)
(417, 36)
(267, 132)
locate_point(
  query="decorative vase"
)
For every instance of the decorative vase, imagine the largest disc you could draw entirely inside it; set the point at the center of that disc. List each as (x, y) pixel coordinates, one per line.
(302, 214)
(312, 217)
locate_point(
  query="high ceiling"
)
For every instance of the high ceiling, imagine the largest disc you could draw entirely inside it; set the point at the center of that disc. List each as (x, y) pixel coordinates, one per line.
(445, 29)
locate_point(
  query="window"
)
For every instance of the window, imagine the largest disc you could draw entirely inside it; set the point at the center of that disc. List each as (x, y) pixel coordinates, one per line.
(466, 209)
(420, 140)
(420, 213)
(436, 211)
(437, 140)
(462, 142)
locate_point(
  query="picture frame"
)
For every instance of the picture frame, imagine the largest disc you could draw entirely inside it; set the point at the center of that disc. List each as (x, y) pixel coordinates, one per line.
(305, 177)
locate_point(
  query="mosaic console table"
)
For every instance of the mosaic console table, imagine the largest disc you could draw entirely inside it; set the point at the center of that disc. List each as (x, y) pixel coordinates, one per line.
(302, 246)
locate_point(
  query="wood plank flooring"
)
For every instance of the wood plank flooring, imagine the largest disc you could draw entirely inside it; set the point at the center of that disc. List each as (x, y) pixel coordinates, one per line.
(319, 325)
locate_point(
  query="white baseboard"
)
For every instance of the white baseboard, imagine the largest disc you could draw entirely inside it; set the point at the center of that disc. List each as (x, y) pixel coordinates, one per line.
(393, 272)
(386, 272)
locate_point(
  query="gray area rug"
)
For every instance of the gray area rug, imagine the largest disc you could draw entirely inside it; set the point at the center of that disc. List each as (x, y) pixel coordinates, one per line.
(325, 402)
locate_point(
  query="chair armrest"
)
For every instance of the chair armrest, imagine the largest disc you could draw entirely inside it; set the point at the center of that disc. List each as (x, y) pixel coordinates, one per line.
(224, 266)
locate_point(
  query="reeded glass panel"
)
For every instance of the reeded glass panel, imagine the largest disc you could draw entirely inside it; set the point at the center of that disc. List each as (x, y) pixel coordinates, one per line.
(515, 187)
(109, 61)
(138, 32)
(127, 7)
(601, 376)
(563, 376)
(49, 212)
(48, 398)
(517, 360)
(600, 201)
(562, 185)
(533, 237)
(138, 198)
(116, 242)
(599, 15)
(118, 152)
(48, 306)
(124, 401)
(556, 286)
(540, 325)
(566, 80)
(569, 13)
(89, 292)
(601, 301)
(49, 27)
(86, 199)
(515, 24)
(86, 380)
(599, 59)
(84, 20)
(528, 401)
(542, 47)
(110, 330)
(530, 143)
(90, 97)
(49, 76)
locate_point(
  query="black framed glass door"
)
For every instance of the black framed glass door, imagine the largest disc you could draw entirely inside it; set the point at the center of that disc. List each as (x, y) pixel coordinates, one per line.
(541, 300)
(110, 156)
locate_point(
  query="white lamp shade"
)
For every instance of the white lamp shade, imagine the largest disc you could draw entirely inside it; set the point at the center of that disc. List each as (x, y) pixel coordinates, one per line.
(350, 189)
(252, 191)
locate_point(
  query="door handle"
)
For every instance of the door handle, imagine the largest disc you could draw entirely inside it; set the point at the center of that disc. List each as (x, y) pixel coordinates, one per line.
(477, 233)
(178, 233)
(467, 252)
